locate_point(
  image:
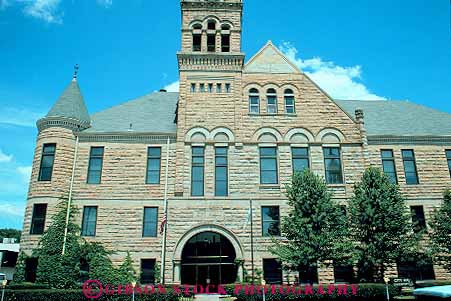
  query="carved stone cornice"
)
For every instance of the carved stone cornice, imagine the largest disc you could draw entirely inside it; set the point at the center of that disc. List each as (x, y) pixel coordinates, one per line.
(62, 122)
(210, 62)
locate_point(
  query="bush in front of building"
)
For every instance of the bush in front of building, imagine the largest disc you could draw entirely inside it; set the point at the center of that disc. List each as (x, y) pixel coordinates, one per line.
(440, 224)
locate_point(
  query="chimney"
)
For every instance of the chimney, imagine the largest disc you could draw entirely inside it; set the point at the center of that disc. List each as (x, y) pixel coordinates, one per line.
(359, 115)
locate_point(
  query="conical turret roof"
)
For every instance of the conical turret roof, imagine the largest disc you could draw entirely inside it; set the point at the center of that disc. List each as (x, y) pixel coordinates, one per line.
(71, 105)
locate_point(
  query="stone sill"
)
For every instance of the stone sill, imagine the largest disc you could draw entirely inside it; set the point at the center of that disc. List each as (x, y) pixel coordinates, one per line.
(269, 187)
(272, 115)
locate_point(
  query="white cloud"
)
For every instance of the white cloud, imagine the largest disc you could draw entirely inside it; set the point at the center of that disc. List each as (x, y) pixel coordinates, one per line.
(339, 82)
(105, 3)
(173, 87)
(4, 4)
(25, 173)
(19, 116)
(4, 157)
(11, 209)
(46, 10)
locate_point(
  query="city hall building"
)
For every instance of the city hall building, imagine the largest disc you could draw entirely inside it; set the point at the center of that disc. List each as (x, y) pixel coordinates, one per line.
(208, 165)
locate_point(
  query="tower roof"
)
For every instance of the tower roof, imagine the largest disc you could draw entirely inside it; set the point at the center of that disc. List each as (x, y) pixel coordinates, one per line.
(71, 105)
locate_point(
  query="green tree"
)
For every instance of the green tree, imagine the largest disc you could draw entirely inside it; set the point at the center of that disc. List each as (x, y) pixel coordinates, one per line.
(440, 224)
(126, 272)
(380, 226)
(19, 274)
(55, 269)
(315, 228)
(11, 233)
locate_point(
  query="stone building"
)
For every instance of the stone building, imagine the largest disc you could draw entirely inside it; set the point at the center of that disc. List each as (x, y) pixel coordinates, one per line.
(226, 143)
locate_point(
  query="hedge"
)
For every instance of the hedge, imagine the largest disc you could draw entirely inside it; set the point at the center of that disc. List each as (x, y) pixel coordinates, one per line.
(371, 292)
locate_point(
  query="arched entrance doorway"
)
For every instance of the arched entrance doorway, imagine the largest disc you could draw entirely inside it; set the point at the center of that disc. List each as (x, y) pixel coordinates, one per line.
(208, 258)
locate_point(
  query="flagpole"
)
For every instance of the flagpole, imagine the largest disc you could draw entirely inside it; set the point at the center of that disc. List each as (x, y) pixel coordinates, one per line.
(165, 206)
(252, 238)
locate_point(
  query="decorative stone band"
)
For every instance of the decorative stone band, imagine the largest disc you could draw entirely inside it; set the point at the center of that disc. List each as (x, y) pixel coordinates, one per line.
(418, 140)
(193, 61)
(127, 137)
(228, 4)
(64, 122)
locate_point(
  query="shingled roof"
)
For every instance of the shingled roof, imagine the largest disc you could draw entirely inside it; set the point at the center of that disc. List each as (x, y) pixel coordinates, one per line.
(152, 113)
(399, 118)
(71, 105)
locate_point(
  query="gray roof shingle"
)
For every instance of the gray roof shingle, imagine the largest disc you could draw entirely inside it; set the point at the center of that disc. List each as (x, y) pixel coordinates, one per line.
(70, 105)
(399, 118)
(152, 113)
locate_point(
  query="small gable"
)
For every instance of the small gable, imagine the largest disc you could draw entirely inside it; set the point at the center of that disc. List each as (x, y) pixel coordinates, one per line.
(270, 60)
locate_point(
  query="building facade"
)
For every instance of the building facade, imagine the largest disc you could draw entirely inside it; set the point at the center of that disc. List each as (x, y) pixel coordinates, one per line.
(208, 165)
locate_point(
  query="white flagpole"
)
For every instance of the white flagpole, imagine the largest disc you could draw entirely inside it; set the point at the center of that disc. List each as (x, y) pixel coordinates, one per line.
(165, 216)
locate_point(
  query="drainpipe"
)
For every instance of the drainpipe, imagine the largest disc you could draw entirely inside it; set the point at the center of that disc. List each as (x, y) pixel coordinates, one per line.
(165, 206)
(69, 200)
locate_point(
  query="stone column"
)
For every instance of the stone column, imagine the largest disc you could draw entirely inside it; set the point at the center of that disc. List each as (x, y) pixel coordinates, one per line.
(359, 116)
(177, 269)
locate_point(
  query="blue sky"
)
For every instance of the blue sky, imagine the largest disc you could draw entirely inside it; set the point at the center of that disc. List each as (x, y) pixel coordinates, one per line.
(362, 49)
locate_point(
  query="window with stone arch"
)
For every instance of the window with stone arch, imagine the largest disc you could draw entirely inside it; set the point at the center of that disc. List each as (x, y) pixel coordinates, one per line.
(211, 37)
(289, 101)
(225, 38)
(271, 99)
(197, 37)
(254, 101)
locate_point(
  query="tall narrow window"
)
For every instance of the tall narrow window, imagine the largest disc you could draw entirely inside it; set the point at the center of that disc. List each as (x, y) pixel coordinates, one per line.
(254, 101)
(448, 158)
(47, 159)
(197, 42)
(150, 222)
(225, 43)
(388, 165)
(268, 165)
(210, 88)
(270, 221)
(38, 218)
(218, 88)
(95, 165)
(211, 25)
(221, 163)
(410, 168)
(227, 88)
(289, 101)
(193, 88)
(211, 43)
(418, 219)
(153, 165)
(202, 88)
(147, 271)
(300, 158)
(271, 98)
(332, 164)
(88, 227)
(272, 271)
(197, 171)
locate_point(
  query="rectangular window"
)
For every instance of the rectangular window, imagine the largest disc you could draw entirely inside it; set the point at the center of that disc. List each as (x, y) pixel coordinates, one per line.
(254, 104)
(416, 270)
(300, 158)
(448, 158)
(153, 165)
(272, 271)
(270, 221)
(95, 165)
(410, 168)
(147, 271)
(221, 172)
(193, 88)
(272, 104)
(268, 165)
(88, 227)
(227, 88)
(31, 266)
(38, 218)
(418, 219)
(343, 273)
(388, 165)
(332, 164)
(308, 275)
(197, 171)
(218, 88)
(289, 104)
(225, 43)
(211, 43)
(47, 159)
(202, 88)
(150, 222)
(210, 88)
(197, 42)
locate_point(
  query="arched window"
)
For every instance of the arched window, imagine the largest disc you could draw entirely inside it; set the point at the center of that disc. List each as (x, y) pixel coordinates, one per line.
(211, 25)
(289, 101)
(271, 98)
(254, 101)
(197, 37)
(225, 38)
